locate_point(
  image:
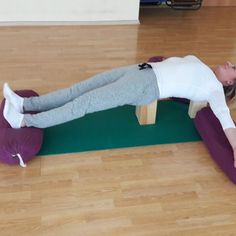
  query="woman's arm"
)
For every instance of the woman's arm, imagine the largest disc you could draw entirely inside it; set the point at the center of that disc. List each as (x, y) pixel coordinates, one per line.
(220, 109)
(231, 136)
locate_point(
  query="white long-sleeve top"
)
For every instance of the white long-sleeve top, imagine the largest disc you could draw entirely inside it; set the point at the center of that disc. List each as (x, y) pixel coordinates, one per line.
(188, 77)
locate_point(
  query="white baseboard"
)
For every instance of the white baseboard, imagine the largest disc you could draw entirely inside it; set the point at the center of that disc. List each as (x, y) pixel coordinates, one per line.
(52, 23)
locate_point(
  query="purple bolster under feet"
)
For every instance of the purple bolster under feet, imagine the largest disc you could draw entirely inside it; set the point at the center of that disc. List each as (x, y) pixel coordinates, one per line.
(23, 142)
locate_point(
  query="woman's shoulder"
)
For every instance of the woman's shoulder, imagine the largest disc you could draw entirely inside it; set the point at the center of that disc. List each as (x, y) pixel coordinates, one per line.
(192, 57)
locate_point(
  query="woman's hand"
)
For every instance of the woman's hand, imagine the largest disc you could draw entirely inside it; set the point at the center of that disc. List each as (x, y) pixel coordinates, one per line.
(231, 135)
(234, 150)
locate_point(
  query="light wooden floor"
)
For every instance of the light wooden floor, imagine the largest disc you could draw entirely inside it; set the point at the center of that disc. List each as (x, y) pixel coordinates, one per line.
(172, 190)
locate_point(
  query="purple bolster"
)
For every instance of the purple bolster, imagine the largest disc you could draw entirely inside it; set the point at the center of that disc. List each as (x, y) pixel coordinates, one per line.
(24, 141)
(217, 143)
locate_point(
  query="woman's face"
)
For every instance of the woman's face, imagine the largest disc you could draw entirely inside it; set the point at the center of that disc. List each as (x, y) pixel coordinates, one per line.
(226, 73)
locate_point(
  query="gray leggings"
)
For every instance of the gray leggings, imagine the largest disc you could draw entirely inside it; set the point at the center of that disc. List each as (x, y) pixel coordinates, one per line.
(116, 87)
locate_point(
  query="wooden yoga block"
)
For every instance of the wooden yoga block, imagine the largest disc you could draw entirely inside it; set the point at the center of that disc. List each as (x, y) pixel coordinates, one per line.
(147, 114)
(194, 107)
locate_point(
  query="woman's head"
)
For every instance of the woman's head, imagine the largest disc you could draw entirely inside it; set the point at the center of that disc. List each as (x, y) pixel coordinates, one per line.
(226, 73)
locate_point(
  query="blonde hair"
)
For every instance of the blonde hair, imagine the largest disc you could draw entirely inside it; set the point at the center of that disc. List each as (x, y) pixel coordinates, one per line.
(230, 95)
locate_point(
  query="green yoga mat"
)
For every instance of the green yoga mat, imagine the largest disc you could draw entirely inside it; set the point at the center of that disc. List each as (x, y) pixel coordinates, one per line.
(119, 128)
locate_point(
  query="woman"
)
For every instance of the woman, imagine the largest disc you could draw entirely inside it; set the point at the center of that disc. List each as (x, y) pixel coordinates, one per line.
(186, 77)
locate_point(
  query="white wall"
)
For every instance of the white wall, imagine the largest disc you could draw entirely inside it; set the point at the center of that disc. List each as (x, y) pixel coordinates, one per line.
(68, 10)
